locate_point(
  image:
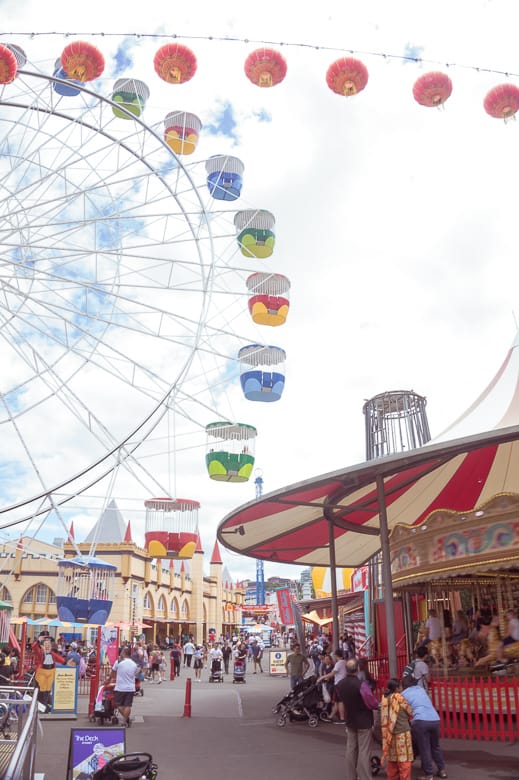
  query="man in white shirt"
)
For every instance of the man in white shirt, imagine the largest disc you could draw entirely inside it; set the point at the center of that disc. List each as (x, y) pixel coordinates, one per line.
(124, 670)
(188, 650)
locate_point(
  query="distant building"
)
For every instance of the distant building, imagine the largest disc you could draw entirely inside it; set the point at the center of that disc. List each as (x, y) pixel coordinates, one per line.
(173, 597)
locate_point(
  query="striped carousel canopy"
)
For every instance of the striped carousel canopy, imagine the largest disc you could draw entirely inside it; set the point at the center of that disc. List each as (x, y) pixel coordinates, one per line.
(461, 471)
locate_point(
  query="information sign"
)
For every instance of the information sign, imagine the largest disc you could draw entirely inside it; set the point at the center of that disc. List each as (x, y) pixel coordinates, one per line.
(64, 691)
(277, 662)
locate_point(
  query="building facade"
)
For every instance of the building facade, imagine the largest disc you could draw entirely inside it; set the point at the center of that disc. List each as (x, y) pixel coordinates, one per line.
(173, 598)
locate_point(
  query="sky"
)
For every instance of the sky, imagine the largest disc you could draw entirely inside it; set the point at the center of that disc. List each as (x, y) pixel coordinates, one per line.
(395, 223)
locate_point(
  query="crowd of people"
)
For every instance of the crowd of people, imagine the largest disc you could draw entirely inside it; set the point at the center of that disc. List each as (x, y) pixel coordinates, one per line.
(407, 719)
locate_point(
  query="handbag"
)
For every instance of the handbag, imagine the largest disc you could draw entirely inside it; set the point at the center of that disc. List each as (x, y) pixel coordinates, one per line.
(326, 694)
(368, 697)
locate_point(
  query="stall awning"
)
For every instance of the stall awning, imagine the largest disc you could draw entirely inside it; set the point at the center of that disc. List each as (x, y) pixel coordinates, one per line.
(313, 617)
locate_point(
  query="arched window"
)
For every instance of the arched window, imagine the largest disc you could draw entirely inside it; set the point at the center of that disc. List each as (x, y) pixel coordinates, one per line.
(162, 607)
(39, 600)
(174, 608)
(185, 610)
(147, 601)
(5, 595)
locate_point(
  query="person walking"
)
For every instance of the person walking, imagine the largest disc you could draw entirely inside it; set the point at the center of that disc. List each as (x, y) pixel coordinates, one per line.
(226, 653)
(198, 665)
(359, 722)
(257, 655)
(397, 744)
(337, 674)
(297, 666)
(425, 728)
(189, 650)
(176, 656)
(155, 661)
(124, 671)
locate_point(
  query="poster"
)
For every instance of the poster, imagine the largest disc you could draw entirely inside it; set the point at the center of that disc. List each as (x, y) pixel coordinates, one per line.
(277, 662)
(91, 749)
(64, 691)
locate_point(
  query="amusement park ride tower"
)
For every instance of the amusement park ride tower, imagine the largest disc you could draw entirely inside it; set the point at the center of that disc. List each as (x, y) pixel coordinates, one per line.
(260, 574)
(396, 421)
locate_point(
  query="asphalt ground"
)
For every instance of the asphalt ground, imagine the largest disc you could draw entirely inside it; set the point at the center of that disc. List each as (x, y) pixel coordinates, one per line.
(232, 733)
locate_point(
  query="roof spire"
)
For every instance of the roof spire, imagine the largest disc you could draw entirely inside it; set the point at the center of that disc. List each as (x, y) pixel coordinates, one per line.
(128, 534)
(216, 557)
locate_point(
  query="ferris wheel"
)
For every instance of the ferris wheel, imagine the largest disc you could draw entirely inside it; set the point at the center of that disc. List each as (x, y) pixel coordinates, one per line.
(111, 261)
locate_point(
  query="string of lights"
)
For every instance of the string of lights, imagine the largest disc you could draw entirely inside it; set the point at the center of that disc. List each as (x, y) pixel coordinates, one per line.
(412, 56)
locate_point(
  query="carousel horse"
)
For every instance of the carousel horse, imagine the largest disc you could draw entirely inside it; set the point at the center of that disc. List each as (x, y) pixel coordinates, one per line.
(511, 651)
(494, 648)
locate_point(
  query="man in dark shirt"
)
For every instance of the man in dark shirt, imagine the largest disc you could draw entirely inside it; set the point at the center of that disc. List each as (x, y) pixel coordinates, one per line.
(359, 722)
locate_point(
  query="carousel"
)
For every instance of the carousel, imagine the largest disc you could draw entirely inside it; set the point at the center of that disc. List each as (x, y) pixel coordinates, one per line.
(462, 568)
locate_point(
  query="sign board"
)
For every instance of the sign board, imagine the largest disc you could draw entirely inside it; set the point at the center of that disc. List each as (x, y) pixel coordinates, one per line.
(91, 749)
(277, 662)
(360, 579)
(64, 690)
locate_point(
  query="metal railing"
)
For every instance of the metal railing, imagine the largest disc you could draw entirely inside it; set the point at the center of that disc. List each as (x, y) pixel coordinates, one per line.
(23, 701)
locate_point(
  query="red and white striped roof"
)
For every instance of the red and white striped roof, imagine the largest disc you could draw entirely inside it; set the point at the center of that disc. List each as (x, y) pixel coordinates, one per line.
(462, 474)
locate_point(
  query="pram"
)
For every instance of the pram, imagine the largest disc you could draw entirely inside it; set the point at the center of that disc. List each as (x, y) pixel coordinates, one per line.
(216, 671)
(238, 671)
(130, 766)
(104, 708)
(303, 702)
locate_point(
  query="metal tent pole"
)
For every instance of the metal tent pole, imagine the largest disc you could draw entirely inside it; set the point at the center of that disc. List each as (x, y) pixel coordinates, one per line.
(333, 577)
(386, 577)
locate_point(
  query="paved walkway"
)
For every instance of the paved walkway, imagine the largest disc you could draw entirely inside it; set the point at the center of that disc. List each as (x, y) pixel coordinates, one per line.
(232, 733)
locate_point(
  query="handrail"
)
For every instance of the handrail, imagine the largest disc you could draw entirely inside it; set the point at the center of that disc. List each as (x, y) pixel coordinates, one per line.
(21, 765)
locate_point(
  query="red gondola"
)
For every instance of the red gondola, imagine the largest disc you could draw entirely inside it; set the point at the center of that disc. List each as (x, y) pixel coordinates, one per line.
(432, 89)
(502, 102)
(8, 65)
(82, 61)
(265, 67)
(175, 63)
(347, 76)
(171, 529)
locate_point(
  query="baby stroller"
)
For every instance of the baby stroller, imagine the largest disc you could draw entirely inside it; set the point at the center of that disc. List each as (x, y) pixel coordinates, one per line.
(303, 702)
(238, 671)
(216, 671)
(104, 708)
(130, 766)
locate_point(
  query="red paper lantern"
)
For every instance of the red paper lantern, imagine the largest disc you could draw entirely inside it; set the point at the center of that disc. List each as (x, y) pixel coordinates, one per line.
(265, 67)
(502, 102)
(82, 61)
(175, 63)
(347, 76)
(432, 89)
(8, 65)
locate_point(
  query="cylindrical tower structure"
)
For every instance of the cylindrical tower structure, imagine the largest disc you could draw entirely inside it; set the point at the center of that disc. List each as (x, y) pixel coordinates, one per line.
(396, 421)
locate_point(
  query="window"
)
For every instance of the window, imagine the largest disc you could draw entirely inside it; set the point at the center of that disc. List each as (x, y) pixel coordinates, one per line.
(5, 595)
(38, 598)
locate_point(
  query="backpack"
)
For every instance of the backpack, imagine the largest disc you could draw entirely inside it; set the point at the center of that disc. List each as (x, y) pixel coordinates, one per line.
(409, 669)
